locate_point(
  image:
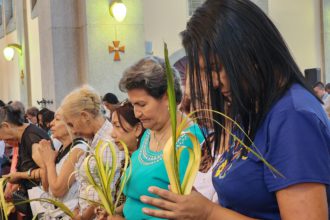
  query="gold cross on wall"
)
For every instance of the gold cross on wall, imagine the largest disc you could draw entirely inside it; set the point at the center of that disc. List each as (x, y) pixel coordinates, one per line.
(116, 49)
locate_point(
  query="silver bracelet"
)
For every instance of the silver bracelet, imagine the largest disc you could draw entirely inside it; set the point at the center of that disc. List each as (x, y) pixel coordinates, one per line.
(29, 172)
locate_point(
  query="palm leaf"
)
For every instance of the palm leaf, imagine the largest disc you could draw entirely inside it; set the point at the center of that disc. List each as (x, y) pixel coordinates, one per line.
(105, 174)
(5, 207)
(54, 202)
(170, 154)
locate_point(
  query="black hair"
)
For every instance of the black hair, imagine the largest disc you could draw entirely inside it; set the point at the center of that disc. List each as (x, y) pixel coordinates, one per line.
(110, 98)
(327, 86)
(11, 115)
(42, 112)
(47, 118)
(2, 103)
(237, 37)
(125, 111)
(319, 85)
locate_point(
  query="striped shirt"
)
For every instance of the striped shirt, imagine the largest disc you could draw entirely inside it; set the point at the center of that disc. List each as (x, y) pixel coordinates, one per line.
(87, 193)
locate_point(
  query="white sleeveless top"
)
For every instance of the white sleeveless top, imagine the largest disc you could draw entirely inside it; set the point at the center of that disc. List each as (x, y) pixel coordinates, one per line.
(70, 199)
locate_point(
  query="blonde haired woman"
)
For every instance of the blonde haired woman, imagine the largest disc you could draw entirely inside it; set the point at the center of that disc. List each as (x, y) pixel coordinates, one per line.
(61, 164)
(82, 113)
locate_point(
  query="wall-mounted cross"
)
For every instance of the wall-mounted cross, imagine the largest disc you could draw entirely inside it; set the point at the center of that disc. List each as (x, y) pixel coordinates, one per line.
(43, 102)
(116, 49)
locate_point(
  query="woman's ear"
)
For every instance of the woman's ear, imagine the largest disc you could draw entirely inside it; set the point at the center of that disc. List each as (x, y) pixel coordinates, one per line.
(138, 130)
(85, 116)
(165, 97)
(5, 125)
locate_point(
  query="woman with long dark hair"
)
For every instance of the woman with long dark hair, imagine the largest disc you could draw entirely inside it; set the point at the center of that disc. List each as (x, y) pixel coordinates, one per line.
(238, 58)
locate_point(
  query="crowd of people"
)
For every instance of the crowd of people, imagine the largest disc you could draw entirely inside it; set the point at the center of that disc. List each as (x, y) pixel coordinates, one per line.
(268, 158)
(322, 91)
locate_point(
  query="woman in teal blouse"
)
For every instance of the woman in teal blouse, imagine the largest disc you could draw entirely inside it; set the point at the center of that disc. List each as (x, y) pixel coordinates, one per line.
(145, 83)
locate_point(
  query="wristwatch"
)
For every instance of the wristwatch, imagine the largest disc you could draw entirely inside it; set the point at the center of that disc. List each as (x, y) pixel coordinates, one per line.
(29, 172)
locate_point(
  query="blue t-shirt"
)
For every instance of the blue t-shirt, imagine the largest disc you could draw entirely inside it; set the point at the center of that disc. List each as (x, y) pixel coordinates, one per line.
(295, 139)
(148, 169)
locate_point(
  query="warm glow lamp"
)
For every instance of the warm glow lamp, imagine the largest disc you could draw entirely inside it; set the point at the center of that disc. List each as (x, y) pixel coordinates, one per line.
(9, 51)
(118, 10)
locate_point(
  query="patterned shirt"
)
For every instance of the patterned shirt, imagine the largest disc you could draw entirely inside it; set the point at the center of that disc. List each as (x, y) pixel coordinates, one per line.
(87, 193)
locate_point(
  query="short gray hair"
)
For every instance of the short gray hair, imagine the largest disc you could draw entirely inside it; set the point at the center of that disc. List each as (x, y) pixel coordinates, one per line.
(149, 74)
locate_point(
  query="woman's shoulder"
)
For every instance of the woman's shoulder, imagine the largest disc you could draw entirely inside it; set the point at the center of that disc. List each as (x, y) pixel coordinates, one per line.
(33, 134)
(79, 143)
(194, 129)
(298, 101)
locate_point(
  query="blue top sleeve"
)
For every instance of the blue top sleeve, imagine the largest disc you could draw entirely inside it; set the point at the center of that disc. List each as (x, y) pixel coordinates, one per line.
(298, 148)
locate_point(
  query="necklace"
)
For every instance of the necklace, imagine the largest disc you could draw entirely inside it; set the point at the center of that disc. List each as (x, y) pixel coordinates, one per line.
(146, 157)
(158, 141)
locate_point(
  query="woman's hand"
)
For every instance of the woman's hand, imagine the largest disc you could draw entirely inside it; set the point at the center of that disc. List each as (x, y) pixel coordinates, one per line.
(13, 177)
(173, 206)
(100, 213)
(77, 217)
(103, 215)
(46, 152)
(8, 194)
(120, 210)
(115, 217)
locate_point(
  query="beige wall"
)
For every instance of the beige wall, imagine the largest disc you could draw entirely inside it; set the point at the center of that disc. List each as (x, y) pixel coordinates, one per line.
(34, 46)
(299, 21)
(9, 71)
(11, 85)
(148, 20)
(163, 21)
(102, 72)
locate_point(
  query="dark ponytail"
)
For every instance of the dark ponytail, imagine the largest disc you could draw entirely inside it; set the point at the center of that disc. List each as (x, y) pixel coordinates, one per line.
(11, 115)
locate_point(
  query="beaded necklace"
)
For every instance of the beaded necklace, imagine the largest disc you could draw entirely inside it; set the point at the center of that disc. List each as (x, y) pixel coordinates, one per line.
(146, 157)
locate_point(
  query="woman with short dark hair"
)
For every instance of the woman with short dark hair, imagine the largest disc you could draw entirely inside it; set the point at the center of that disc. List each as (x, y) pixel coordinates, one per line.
(146, 86)
(12, 127)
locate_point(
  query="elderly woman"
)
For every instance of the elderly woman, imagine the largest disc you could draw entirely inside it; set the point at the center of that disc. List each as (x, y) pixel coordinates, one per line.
(13, 128)
(146, 85)
(61, 165)
(82, 113)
